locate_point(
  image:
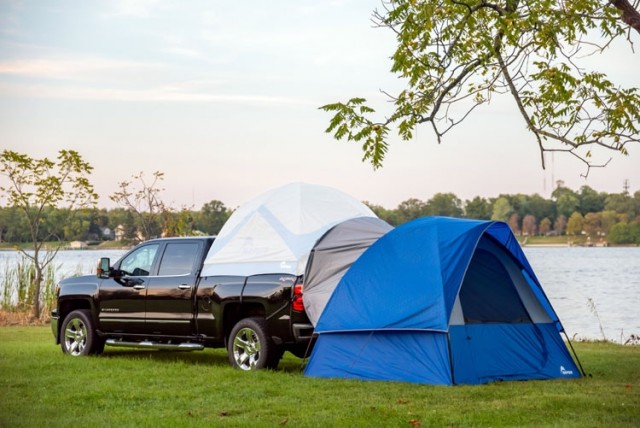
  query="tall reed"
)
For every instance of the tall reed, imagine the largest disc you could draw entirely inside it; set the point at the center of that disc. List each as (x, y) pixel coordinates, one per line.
(18, 289)
(594, 310)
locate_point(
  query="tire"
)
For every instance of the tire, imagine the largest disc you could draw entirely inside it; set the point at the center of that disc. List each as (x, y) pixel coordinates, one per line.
(249, 346)
(98, 349)
(79, 338)
(275, 358)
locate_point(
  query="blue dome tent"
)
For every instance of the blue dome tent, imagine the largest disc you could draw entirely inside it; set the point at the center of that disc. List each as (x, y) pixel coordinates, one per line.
(441, 301)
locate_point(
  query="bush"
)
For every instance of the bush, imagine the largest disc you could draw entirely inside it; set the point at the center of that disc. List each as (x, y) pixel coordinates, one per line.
(624, 233)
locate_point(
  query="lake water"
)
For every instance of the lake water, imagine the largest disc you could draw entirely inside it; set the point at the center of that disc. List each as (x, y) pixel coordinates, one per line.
(610, 277)
(571, 278)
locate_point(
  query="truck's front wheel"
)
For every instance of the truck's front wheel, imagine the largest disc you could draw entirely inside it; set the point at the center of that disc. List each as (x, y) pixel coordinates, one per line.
(78, 335)
(250, 347)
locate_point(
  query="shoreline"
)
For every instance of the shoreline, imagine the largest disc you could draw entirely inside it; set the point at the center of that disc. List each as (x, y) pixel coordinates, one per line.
(546, 245)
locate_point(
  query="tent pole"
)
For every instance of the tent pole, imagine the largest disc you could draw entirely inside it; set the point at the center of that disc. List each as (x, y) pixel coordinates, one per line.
(314, 335)
(453, 376)
(575, 355)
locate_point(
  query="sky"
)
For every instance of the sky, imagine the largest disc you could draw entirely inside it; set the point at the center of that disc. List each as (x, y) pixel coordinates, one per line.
(223, 98)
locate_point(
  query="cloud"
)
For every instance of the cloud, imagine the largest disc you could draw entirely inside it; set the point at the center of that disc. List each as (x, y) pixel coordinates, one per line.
(67, 68)
(185, 52)
(159, 94)
(116, 80)
(134, 8)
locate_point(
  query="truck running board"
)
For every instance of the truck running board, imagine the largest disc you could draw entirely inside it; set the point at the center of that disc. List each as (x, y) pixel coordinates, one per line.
(155, 345)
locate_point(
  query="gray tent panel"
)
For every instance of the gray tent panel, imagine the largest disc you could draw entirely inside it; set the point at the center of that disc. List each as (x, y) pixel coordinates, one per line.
(333, 255)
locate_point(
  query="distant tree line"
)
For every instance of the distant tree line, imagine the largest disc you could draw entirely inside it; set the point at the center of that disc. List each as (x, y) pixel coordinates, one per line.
(603, 216)
(614, 217)
(121, 223)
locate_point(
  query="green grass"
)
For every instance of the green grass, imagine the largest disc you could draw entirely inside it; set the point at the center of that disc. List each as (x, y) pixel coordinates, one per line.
(39, 386)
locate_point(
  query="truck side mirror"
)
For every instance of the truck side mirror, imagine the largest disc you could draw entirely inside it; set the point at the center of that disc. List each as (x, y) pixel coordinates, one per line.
(104, 268)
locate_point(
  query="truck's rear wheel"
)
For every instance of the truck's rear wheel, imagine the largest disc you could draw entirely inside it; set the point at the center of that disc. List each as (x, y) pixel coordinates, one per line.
(78, 335)
(250, 347)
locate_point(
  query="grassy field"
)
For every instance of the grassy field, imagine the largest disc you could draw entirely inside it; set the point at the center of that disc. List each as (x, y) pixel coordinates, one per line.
(39, 386)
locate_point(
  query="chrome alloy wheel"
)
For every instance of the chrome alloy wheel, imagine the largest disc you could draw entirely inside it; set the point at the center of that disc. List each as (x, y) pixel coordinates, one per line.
(246, 349)
(75, 337)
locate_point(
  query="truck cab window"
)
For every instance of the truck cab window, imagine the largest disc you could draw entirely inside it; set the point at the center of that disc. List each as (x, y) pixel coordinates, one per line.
(140, 261)
(179, 258)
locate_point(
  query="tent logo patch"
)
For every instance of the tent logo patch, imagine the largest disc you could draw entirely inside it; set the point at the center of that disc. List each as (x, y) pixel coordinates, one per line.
(565, 372)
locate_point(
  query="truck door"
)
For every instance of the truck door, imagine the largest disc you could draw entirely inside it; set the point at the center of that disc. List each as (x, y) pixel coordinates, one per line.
(122, 299)
(169, 306)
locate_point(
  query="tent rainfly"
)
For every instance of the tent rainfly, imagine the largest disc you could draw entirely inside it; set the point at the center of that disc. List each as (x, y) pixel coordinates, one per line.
(441, 301)
(275, 232)
(333, 255)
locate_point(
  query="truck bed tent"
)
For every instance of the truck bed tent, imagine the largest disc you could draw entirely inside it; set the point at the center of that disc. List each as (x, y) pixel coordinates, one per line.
(441, 301)
(275, 232)
(333, 255)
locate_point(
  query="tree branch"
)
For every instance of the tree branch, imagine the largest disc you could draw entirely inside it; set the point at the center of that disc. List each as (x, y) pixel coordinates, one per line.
(630, 15)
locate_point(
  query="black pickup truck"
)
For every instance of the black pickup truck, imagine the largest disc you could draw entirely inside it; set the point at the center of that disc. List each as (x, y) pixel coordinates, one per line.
(154, 297)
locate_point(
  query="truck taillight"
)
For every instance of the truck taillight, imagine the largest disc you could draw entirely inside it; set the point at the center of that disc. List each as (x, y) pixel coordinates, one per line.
(297, 302)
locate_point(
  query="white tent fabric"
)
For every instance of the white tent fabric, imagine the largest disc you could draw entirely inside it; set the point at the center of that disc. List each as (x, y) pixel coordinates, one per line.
(275, 232)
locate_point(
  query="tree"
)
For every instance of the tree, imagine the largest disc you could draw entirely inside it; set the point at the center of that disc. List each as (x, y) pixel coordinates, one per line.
(622, 203)
(514, 224)
(520, 204)
(575, 224)
(502, 209)
(545, 226)
(592, 224)
(123, 224)
(529, 227)
(78, 228)
(143, 202)
(607, 220)
(4, 220)
(540, 207)
(37, 186)
(560, 190)
(623, 233)
(213, 216)
(456, 55)
(560, 225)
(444, 204)
(590, 200)
(410, 209)
(14, 225)
(177, 224)
(567, 203)
(99, 229)
(478, 208)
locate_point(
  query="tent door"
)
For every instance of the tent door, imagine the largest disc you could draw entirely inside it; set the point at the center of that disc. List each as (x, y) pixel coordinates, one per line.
(495, 337)
(488, 352)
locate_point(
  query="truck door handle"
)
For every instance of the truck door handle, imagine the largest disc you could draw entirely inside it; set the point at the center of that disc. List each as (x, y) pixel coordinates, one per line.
(139, 287)
(184, 286)
(136, 283)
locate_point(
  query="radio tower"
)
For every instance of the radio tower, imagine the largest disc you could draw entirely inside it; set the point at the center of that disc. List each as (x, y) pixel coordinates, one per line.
(625, 186)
